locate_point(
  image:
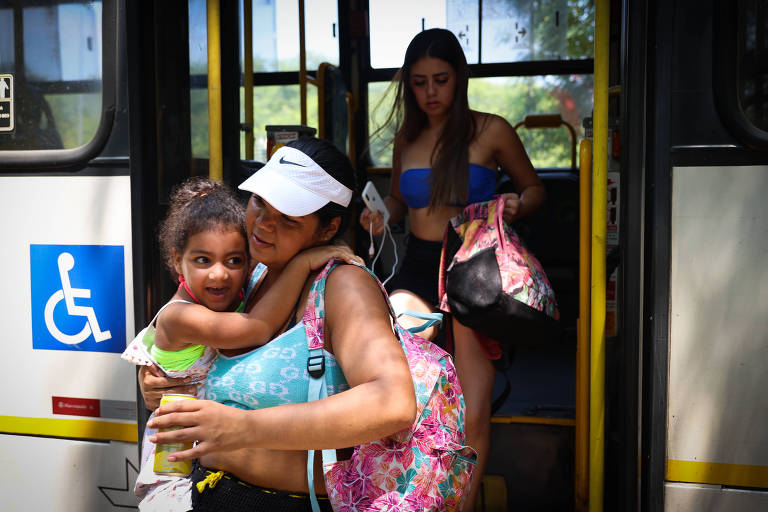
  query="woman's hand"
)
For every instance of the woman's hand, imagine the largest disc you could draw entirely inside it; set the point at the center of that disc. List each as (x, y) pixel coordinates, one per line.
(215, 427)
(154, 385)
(366, 218)
(317, 257)
(513, 207)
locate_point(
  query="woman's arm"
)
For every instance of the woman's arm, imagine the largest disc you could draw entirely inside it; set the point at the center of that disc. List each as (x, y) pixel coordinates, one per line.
(380, 401)
(509, 153)
(195, 324)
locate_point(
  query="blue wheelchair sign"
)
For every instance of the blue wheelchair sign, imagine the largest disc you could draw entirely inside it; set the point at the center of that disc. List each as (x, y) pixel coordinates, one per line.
(78, 297)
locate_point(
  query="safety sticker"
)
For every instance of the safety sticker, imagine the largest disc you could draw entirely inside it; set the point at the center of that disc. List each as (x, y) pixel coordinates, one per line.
(78, 297)
(6, 103)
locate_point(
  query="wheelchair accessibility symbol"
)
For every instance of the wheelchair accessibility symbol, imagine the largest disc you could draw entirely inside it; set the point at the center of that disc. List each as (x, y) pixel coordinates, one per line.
(68, 294)
(78, 297)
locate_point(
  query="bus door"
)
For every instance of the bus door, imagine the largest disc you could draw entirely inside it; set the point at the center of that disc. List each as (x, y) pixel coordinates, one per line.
(68, 415)
(705, 333)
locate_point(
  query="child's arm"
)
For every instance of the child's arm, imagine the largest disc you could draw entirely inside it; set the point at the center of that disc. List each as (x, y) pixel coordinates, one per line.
(193, 324)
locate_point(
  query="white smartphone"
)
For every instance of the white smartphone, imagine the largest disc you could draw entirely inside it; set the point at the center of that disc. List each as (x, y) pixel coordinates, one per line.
(374, 202)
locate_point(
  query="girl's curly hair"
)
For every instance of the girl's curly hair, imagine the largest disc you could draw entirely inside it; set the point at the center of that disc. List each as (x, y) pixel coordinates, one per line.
(198, 204)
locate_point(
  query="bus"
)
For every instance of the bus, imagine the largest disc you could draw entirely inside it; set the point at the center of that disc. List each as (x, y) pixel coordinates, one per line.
(647, 121)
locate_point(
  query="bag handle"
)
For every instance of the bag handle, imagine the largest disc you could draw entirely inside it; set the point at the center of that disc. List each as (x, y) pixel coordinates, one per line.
(498, 221)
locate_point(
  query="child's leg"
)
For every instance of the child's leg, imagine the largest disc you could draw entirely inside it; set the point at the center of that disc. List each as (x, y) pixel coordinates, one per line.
(476, 375)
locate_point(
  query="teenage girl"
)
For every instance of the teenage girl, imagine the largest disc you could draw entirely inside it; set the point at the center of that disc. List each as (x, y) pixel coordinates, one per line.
(204, 246)
(446, 156)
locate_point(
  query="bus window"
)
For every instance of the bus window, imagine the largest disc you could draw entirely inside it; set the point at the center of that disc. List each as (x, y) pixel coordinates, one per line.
(548, 30)
(275, 39)
(54, 53)
(753, 52)
(739, 76)
(512, 98)
(515, 97)
(499, 31)
(393, 23)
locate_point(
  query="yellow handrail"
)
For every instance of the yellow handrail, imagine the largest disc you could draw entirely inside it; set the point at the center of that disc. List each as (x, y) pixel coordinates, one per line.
(581, 455)
(215, 162)
(248, 76)
(302, 64)
(599, 217)
(550, 121)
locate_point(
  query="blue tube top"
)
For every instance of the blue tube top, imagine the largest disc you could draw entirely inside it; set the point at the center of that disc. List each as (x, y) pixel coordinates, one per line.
(415, 185)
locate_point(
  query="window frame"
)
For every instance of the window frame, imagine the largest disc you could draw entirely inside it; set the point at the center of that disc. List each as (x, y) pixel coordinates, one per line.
(67, 159)
(728, 24)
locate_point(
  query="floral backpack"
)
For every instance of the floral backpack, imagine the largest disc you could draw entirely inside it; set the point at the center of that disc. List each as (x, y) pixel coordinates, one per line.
(424, 467)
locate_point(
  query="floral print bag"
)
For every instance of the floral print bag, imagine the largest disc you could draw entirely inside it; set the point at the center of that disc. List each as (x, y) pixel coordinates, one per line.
(425, 467)
(491, 282)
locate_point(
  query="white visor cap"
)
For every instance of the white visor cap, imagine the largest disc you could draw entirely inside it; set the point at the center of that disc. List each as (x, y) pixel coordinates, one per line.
(295, 185)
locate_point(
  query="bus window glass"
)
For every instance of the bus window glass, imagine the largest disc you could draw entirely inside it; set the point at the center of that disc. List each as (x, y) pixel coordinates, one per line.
(393, 23)
(516, 97)
(198, 67)
(57, 91)
(6, 40)
(322, 32)
(753, 77)
(198, 121)
(276, 34)
(512, 98)
(497, 31)
(198, 38)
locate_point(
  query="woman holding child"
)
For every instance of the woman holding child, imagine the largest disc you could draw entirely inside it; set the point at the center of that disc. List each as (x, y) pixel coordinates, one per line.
(301, 199)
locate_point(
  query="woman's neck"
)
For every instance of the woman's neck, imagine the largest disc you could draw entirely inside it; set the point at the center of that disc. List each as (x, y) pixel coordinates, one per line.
(436, 123)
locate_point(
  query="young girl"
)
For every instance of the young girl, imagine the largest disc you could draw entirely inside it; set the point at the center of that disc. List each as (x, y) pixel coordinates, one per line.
(204, 245)
(446, 156)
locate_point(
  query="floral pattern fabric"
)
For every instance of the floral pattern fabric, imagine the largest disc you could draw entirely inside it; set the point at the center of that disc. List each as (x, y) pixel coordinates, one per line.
(480, 226)
(425, 467)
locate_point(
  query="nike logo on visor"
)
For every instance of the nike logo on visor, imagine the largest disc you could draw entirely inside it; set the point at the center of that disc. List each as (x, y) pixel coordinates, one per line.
(288, 162)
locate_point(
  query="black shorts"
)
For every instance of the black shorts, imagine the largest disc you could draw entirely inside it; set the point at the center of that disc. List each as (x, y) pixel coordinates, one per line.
(232, 495)
(420, 270)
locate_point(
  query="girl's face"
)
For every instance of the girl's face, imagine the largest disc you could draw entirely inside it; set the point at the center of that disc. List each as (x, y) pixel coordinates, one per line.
(274, 238)
(433, 83)
(214, 264)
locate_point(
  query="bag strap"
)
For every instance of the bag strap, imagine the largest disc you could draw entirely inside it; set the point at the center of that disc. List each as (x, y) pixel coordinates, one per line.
(256, 275)
(431, 319)
(314, 327)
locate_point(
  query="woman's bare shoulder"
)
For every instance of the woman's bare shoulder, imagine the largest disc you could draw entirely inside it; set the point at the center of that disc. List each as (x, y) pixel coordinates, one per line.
(346, 277)
(490, 124)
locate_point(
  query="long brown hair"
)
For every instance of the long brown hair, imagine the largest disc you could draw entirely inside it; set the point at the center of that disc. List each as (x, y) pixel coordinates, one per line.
(450, 156)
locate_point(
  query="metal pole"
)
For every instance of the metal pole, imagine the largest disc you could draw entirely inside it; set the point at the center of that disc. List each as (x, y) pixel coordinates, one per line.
(581, 455)
(599, 218)
(248, 76)
(215, 162)
(302, 64)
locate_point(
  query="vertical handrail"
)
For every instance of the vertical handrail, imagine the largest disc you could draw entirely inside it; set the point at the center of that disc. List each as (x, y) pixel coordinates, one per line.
(248, 76)
(215, 159)
(599, 218)
(302, 64)
(581, 452)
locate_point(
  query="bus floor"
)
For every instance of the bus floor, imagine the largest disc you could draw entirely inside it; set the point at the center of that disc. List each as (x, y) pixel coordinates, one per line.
(531, 464)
